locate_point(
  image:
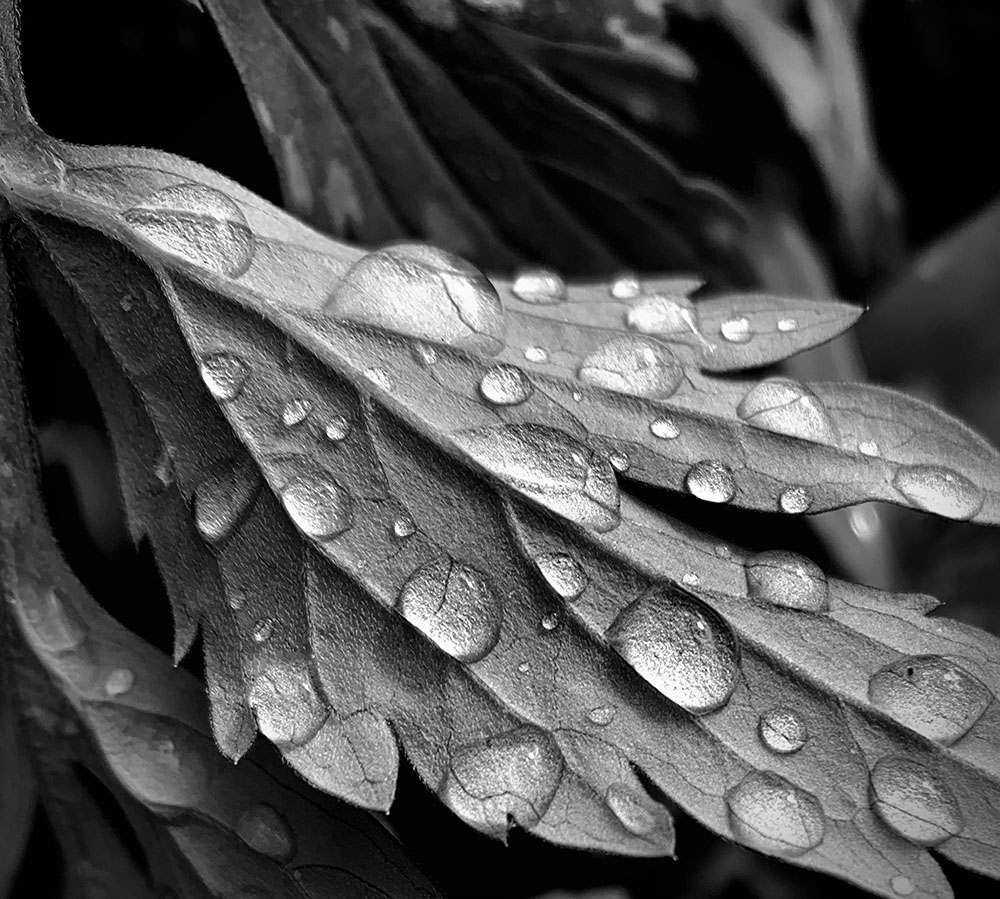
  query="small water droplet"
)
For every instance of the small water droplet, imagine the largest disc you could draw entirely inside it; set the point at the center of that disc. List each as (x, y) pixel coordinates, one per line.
(237, 599)
(711, 481)
(537, 354)
(784, 406)
(295, 412)
(223, 498)
(868, 448)
(691, 579)
(794, 500)
(317, 504)
(629, 810)
(939, 490)
(787, 324)
(164, 468)
(199, 224)
(380, 378)
(931, 695)
(771, 814)
(602, 715)
(262, 630)
(782, 730)
(454, 606)
(53, 619)
(266, 832)
(426, 354)
(224, 375)
(914, 802)
(736, 330)
(723, 551)
(404, 526)
(119, 681)
(625, 286)
(338, 428)
(524, 667)
(637, 366)
(577, 396)
(902, 885)
(619, 461)
(681, 646)
(784, 578)
(423, 292)
(550, 621)
(505, 385)
(563, 573)
(539, 286)
(664, 428)
(663, 315)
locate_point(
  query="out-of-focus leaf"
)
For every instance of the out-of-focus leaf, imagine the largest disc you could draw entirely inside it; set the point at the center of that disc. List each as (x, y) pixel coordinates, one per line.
(17, 787)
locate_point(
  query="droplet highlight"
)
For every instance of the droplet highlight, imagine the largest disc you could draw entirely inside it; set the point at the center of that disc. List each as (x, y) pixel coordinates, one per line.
(914, 802)
(771, 814)
(784, 578)
(52, 618)
(119, 681)
(563, 574)
(710, 481)
(782, 730)
(663, 315)
(537, 354)
(505, 385)
(794, 501)
(630, 811)
(637, 366)
(295, 412)
(736, 330)
(625, 286)
(602, 715)
(664, 429)
(939, 490)
(539, 287)
(223, 498)
(785, 406)
(224, 375)
(317, 505)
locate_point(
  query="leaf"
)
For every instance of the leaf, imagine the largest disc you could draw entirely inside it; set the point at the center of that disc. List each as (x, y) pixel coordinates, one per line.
(96, 699)
(17, 790)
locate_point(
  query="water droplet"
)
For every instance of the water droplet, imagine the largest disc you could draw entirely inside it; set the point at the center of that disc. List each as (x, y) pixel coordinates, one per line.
(288, 709)
(723, 551)
(794, 500)
(550, 621)
(423, 292)
(222, 500)
(931, 695)
(380, 378)
(914, 802)
(772, 815)
(626, 286)
(164, 468)
(539, 286)
(262, 630)
(629, 810)
(555, 469)
(902, 885)
(711, 481)
(577, 396)
(537, 354)
(224, 375)
(505, 385)
(602, 715)
(514, 774)
(295, 412)
(266, 832)
(404, 527)
(736, 330)
(788, 407)
(53, 619)
(524, 667)
(237, 599)
(787, 324)
(681, 646)
(426, 354)
(563, 573)
(664, 428)
(868, 448)
(782, 730)
(199, 224)
(784, 578)
(454, 606)
(662, 314)
(317, 504)
(939, 490)
(634, 365)
(119, 681)
(338, 428)
(619, 461)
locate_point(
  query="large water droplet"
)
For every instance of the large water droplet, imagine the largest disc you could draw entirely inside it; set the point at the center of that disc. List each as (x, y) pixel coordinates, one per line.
(635, 365)
(223, 498)
(784, 578)
(664, 429)
(505, 385)
(711, 481)
(119, 681)
(224, 375)
(914, 802)
(564, 574)
(681, 646)
(53, 619)
(423, 292)
(317, 504)
(514, 774)
(771, 814)
(295, 412)
(199, 224)
(550, 466)
(455, 606)
(794, 500)
(788, 407)
(634, 816)
(663, 315)
(266, 832)
(539, 286)
(736, 330)
(285, 702)
(782, 730)
(939, 490)
(930, 694)
(626, 286)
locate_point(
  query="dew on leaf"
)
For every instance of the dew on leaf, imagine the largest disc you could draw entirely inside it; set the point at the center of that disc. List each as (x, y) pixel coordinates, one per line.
(539, 286)
(53, 619)
(914, 802)
(285, 702)
(625, 286)
(267, 832)
(426, 354)
(197, 223)
(295, 412)
(662, 314)
(770, 814)
(317, 504)
(931, 695)
(262, 630)
(537, 354)
(629, 810)
(711, 481)
(664, 429)
(619, 461)
(902, 885)
(423, 292)
(404, 526)
(119, 681)
(794, 500)
(601, 715)
(222, 499)
(939, 490)
(868, 448)
(787, 324)
(454, 606)
(550, 621)
(782, 730)
(380, 378)
(785, 578)
(224, 375)
(505, 385)
(785, 406)
(736, 330)
(637, 366)
(563, 574)
(690, 579)
(681, 646)
(337, 428)
(164, 468)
